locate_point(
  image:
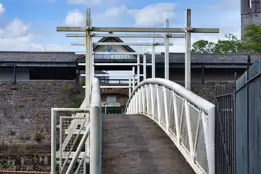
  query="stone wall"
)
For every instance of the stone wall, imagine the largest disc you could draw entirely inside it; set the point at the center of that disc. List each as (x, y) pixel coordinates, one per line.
(25, 122)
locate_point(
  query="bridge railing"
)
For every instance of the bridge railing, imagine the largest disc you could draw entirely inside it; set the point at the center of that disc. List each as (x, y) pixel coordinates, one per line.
(187, 119)
(71, 147)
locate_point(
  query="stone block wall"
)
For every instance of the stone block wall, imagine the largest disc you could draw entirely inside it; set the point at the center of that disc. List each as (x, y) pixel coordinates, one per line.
(25, 119)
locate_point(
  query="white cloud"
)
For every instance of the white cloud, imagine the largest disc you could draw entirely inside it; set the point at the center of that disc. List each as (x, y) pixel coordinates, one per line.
(85, 2)
(2, 9)
(14, 29)
(153, 15)
(75, 18)
(15, 36)
(149, 16)
(116, 11)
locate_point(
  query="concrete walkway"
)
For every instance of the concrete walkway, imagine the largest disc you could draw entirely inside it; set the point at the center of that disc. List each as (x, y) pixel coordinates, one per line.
(137, 145)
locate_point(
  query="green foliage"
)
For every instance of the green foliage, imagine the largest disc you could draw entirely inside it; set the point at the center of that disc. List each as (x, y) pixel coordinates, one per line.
(12, 132)
(203, 46)
(69, 88)
(3, 146)
(250, 43)
(14, 87)
(82, 82)
(252, 39)
(36, 156)
(230, 45)
(38, 137)
(77, 101)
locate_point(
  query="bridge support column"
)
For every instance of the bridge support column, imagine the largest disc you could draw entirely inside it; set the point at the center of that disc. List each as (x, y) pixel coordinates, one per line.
(144, 67)
(153, 62)
(167, 53)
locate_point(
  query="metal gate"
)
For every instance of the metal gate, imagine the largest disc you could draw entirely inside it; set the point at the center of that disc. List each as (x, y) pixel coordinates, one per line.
(248, 121)
(225, 129)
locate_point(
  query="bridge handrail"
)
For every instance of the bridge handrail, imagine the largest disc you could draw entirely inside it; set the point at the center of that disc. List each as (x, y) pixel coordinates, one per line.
(192, 97)
(93, 131)
(188, 119)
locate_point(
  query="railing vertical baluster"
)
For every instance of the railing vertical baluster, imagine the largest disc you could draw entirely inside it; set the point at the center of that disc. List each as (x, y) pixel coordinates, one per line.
(139, 100)
(136, 103)
(138, 68)
(187, 115)
(152, 101)
(166, 108)
(176, 117)
(143, 99)
(158, 99)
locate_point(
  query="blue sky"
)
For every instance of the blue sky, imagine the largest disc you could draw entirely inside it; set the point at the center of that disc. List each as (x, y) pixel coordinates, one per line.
(31, 24)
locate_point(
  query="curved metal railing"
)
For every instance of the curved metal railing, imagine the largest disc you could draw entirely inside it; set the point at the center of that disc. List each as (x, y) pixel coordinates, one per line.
(187, 119)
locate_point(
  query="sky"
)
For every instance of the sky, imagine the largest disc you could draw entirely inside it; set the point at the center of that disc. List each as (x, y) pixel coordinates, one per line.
(30, 25)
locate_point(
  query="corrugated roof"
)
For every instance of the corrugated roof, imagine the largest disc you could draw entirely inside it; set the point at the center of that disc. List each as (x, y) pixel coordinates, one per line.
(19, 56)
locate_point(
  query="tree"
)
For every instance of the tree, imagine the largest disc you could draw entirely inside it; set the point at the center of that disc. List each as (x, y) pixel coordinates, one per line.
(203, 46)
(231, 45)
(252, 39)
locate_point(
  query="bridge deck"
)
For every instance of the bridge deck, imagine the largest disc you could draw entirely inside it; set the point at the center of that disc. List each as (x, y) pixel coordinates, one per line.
(135, 144)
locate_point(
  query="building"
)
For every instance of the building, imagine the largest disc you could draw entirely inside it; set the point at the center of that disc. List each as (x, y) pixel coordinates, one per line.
(37, 65)
(250, 13)
(205, 68)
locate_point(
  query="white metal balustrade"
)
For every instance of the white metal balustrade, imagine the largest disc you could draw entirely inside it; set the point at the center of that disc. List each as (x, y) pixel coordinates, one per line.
(79, 137)
(186, 118)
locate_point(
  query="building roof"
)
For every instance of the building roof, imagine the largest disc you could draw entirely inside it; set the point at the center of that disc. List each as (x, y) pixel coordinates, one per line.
(174, 58)
(179, 58)
(26, 56)
(117, 39)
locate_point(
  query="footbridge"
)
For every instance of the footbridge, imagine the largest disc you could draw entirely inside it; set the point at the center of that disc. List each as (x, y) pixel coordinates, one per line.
(165, 129)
